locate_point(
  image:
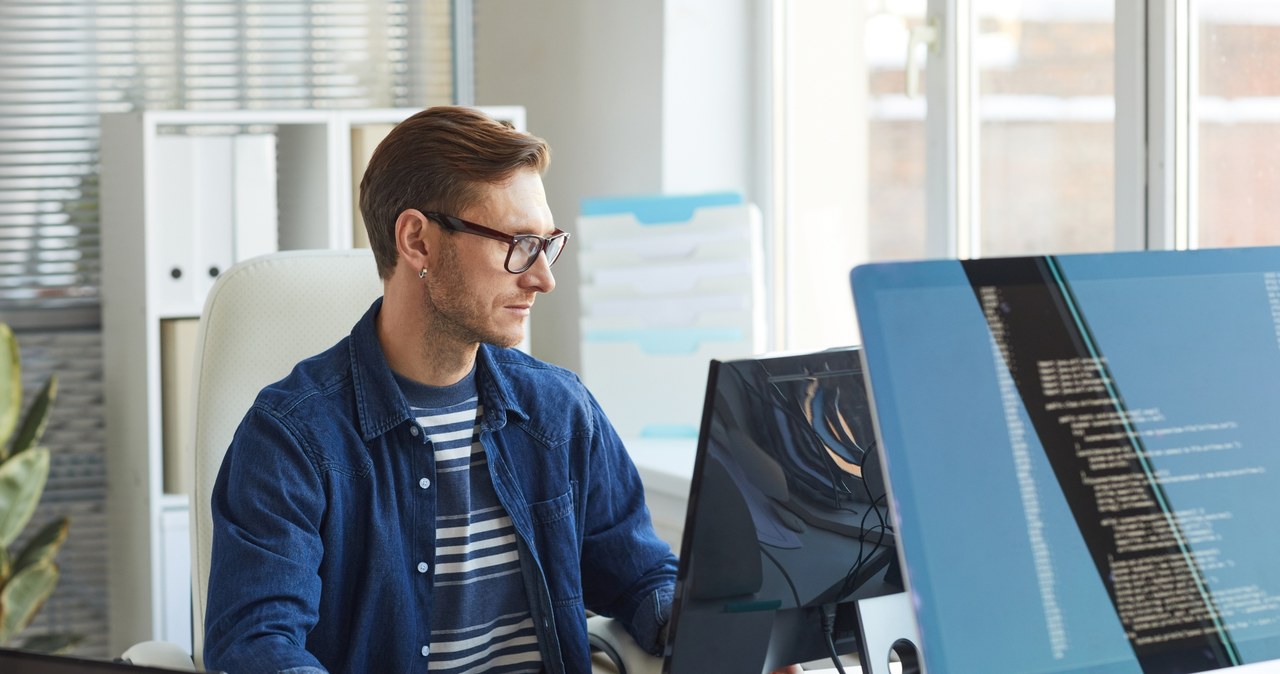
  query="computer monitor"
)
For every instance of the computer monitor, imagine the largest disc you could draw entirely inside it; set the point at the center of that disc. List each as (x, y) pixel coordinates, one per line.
(787, 518)
(1083, 454)
(14, 661)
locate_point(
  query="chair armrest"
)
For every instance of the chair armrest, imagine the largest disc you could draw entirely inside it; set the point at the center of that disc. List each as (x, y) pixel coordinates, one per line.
(609, 637)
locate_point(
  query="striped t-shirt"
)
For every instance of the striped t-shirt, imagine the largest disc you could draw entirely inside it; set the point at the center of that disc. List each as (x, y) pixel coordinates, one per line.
(480, 618)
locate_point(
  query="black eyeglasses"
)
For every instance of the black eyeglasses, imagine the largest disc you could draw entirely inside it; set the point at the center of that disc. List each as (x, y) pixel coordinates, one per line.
(524, 248)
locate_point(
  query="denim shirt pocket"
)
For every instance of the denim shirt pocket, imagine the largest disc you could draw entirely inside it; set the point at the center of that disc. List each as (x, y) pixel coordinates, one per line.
(556, 541)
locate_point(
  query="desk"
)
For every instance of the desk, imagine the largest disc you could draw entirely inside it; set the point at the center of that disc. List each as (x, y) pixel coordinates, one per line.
(601, 665)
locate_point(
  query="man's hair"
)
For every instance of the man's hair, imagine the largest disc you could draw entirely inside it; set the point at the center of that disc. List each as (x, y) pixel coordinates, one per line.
(439, 160)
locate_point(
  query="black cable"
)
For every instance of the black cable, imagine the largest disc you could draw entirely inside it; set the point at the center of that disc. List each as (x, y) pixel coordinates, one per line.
(828, 630)
(850, 578)
(849, 584)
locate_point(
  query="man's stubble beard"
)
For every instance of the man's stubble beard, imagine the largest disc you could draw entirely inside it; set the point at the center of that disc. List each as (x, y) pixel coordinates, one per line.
(455, 313)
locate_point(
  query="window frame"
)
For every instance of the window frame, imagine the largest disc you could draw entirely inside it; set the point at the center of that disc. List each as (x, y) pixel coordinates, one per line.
(1154, 137)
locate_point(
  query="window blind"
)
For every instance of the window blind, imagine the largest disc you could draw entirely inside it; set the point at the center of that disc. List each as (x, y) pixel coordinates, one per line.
(64, 62)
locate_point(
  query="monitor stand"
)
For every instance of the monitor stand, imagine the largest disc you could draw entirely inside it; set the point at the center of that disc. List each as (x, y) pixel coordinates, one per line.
(887, 624)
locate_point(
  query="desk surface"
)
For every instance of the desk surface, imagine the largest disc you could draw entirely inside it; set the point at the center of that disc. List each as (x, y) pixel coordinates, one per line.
(601, 665)
(665, 466)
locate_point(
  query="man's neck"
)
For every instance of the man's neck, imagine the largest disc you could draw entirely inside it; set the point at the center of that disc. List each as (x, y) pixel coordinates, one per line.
(415, 351)
(437, 365)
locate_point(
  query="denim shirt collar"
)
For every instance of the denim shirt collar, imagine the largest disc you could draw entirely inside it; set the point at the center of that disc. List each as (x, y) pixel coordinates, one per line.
(380, 404)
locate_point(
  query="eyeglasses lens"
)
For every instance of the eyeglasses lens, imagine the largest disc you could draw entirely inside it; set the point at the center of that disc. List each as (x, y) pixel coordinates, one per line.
(526, 248)
(554, 248)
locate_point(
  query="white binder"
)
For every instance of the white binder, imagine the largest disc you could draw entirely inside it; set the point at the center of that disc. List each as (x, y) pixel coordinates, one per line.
(220, 207)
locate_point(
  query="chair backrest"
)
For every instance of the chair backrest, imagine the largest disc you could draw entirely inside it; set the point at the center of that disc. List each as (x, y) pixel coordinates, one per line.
(262, 316)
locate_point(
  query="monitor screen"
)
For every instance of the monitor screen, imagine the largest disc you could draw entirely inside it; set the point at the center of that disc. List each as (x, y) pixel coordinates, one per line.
(27, 662)
(787, 515)
(1082, 456)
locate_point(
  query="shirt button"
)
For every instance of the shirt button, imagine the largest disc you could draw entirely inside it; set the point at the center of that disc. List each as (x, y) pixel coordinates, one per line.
(424, 483)
(413, 430)
(422, 567)
(426, 650)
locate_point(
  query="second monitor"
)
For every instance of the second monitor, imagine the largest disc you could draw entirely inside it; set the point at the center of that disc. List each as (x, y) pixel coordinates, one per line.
(787, 521)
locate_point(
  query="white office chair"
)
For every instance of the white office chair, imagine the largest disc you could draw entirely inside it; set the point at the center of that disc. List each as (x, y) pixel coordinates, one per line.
(262, 317)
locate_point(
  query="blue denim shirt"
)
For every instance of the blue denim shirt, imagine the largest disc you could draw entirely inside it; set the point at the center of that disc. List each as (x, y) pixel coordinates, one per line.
(323, 509)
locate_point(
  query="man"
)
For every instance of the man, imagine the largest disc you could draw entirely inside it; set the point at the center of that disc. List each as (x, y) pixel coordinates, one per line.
(421, 496)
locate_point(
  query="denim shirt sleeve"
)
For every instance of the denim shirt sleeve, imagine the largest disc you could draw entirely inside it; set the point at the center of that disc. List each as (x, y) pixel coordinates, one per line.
(628, 571)
(650, 631)
(264, 590)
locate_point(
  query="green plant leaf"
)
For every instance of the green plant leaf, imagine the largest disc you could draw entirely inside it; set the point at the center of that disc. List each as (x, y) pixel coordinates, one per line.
(44, 545)
(22, 479)
(23, 595)
(37, 416)
(6, 565)
(51, 643)
(10, 387)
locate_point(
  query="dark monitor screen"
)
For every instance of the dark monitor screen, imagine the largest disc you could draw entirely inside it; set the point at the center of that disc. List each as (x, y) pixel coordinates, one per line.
(26, 662)
(1083, 456)
(787, 515)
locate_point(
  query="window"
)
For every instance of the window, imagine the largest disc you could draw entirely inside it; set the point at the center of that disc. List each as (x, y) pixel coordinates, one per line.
(1236, 122)
(895, 133)
(1046, 110)
(1033, 127)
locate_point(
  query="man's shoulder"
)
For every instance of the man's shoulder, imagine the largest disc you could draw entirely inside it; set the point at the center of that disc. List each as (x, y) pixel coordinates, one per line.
(539, 388)
(312, 382)
(316, 407)
(519, 365)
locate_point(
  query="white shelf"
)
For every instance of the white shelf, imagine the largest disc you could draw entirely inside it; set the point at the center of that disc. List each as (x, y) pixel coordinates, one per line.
(314, 178)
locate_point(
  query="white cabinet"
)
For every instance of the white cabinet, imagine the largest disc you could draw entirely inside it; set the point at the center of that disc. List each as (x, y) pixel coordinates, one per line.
(184, 195)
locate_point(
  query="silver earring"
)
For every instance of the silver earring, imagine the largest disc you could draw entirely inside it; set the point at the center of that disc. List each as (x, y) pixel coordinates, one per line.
(423, 273)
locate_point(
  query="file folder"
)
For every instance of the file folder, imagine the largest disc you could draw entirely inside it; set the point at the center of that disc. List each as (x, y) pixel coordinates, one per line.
(669, 282)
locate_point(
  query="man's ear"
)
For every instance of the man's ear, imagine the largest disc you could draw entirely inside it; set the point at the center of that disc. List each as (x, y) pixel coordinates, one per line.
(413, 240)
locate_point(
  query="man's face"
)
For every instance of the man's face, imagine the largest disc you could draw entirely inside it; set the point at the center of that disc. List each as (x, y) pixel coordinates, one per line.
(469, 295)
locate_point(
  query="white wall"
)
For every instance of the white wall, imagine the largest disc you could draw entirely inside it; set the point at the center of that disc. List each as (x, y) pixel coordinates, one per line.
(709, 68)
(825, 160)
(634, 97)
